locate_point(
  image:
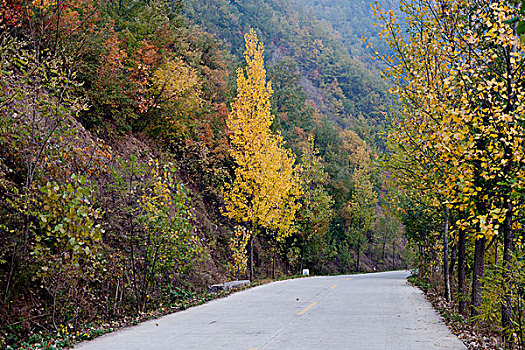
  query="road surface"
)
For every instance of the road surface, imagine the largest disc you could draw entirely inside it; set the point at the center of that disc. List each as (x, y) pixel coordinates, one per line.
(377, 311)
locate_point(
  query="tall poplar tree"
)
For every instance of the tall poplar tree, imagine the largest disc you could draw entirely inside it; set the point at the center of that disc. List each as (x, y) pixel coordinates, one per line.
(265, 188)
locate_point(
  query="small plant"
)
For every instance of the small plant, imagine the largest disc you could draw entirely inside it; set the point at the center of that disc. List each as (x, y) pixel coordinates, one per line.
(421, 282)
(238, 242)
(178, 294)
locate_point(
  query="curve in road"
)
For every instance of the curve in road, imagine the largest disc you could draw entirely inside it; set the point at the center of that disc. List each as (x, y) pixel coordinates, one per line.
(371, 311)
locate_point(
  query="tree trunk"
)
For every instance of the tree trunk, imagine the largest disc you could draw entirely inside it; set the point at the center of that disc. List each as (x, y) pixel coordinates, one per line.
(393, 255)
(445, 258)
(302, 257)
(358, 254)
(273, 260)
(426, 254)
(477, 276)
(461, 272)
(383, 254)
(508, 233)
(251, 258)
(304, 245)
(496, 251)
(508, 248)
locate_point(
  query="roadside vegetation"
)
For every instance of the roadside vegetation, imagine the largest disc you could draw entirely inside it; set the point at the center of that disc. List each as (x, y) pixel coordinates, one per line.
(456, 154)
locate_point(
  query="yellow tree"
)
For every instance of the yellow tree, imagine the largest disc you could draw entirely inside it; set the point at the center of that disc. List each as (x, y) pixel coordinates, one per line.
(176, 90)
(459, 72)
(265, 186)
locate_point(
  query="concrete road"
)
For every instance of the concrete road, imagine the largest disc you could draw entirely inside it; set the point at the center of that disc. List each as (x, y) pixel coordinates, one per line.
(371, 311)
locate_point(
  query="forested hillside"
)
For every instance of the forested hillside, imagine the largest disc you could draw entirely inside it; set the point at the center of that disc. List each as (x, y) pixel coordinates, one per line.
(353, 20)
(129, 180)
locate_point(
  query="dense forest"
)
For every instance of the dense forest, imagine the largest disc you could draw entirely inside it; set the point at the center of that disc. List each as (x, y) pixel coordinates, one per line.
(353, 20)
(129, 181)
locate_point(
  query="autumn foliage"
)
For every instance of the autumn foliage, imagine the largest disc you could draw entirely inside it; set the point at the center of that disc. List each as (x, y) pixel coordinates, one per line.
(264, 192)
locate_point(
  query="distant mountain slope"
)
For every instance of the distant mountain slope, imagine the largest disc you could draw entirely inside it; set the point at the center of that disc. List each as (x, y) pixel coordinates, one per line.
(351, 19)
(342, 87)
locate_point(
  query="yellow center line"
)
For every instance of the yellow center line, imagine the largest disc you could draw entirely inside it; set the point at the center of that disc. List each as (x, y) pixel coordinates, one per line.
(348, 279)
(306, 309)
(253, 349)
(333, 287)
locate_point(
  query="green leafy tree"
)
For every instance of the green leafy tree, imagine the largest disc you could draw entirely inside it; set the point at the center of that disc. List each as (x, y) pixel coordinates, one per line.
(67, 239)
(169, 244)
(317, 205)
